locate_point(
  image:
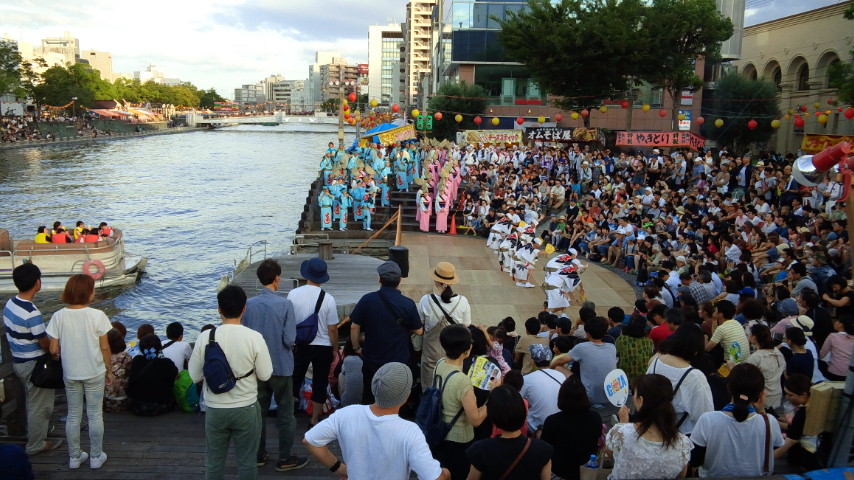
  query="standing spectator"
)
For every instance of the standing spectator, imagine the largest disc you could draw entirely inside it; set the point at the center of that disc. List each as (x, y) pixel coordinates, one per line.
(541, 387)
(115, 395)
(511, 455)
(388, 319)
(651, 446)
(323, 350)
(176, 349)
(839, 345)
(634, 348)
(692, 396)
(373, 438)
(151, 378)
(25, 331)
(572, 451)
(437, 312)
(78, 334)
(597, 359)
(273, 317)
(732, 442)
(234, 414)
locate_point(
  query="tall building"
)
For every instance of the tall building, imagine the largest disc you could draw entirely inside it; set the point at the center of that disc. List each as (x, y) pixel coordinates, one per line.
(250, 94)
(66, 45)
(384, 42)
(100, 61)
(289, 96)
(417, 46)
(334, 76)
(154, 74)
(313, 87)
(268, 83)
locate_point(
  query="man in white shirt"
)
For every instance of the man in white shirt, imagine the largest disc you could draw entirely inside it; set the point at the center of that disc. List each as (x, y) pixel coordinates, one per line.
(234, 414)
(176, 349)
(541, 387)
(323, 350)
(375, 442)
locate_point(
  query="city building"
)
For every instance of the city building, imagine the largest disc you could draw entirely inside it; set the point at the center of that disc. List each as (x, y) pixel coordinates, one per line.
(100, 61)
(340, 73)
(289, 96)
(795, 52)
(66, 45)
(268, 83)
(384, 43)
(154, 74)
(417, 47)
(314, 86)
(250, 94)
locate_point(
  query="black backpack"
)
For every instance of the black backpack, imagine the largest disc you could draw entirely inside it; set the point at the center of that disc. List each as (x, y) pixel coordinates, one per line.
(218, 374)
(430, 416)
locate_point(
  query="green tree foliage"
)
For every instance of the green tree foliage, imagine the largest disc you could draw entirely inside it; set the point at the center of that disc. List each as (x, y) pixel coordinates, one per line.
(60, 84)
(330, 105)
(208, 97)
(452, 98)
(10, 72)
(582, 51)
(842, 73)
(739, 100)
(678, 33)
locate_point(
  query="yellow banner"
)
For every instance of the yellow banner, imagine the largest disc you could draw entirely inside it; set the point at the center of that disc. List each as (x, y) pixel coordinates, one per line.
(395, 135)
(816, 143)
(473, 137)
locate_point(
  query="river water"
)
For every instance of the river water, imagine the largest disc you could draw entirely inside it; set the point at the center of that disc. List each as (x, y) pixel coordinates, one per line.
(192, 203)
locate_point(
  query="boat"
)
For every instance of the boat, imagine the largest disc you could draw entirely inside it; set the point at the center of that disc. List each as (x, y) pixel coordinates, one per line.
(106, 261)
(269, 124)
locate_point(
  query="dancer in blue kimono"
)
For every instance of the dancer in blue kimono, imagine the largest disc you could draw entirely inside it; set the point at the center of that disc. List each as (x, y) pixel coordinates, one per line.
(335, 190)
(346, 202)
(367, 206)
(401, 173)
(358, 194)
(326, 200)
(326, 165)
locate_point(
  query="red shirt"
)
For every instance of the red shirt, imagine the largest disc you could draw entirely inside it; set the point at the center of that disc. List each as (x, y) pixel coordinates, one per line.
(659, 333)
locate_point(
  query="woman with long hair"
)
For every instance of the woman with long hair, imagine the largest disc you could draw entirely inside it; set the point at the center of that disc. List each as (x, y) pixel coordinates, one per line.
(78, 335)
(151, 379)
(576, 416)
(651, 446)
(732, 442)
(634, 348)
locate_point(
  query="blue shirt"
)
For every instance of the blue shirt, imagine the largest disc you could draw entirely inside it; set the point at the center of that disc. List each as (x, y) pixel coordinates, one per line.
(385, 340)
(24, 328)
(272, 316)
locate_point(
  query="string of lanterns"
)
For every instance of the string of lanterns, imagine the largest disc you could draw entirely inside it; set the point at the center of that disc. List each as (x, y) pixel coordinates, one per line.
(52, 107)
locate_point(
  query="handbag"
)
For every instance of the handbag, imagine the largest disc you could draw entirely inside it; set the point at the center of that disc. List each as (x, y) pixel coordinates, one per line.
(518, 459)
(47, 373)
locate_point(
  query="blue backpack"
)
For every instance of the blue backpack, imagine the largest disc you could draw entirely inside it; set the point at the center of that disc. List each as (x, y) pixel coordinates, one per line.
(218, 374)
(307, 329)
(429, 416)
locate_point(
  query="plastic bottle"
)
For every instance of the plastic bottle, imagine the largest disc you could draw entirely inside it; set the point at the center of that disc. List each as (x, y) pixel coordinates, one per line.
(593, 463)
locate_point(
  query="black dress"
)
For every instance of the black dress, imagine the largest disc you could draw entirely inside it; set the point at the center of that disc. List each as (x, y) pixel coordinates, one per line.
(494, 456)
(150, 385)
(574, 436)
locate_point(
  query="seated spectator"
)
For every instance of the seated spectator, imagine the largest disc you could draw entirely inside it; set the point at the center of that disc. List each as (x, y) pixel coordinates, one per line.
(839, 346)
(596, 359)
(176, 349)
(350, 378)
(732, 443)
(151, 379)
(572, 451)
(728, 333)
(512, 455)
(662, 328)
(800, 360)
(115, 394)
(541, 387)
(60, 236)
(514, 379)
(143, 330)
(771, 363)
(651, 446)
(798, 449)
(634, 348)
(522, 349)
(42, 235)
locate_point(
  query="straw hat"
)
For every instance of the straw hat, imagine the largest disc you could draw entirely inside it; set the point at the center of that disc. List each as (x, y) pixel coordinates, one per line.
(445, 273)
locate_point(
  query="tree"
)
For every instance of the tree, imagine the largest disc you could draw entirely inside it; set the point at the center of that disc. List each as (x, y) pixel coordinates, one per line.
(842, 73)
(739, 100)
(330, 105)
(61, 84)
(208, 97)
(679, 33)
(582, 51)
(10, 63)
(454, 98)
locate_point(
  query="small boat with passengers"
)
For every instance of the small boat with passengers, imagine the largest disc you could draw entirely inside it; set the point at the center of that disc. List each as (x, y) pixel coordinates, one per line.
(106, 261)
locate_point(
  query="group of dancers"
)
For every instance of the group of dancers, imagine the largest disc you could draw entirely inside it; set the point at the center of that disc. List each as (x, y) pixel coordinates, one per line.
(440, 182)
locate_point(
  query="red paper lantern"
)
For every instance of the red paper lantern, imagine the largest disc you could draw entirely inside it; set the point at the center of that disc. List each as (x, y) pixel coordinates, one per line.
(477, 120)
(752, 124)
(520, 120)
(346, 107)
(437, 115)
(849, 113)
(585, 113)
(701, 120)
(799, 122)
(662, 113)
(803, 108)
(395, 108)
(830, 101)
(346, 116)
(352, 96)
(624, 104)
(558, 117)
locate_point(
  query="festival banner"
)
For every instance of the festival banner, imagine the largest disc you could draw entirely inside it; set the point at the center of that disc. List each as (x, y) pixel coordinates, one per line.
(473, 137)
(816, 143)
(661, 139)
(557, 134)
(395, 135)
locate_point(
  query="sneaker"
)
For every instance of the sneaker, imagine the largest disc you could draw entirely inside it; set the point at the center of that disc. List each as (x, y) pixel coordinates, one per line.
(261, 461)
(529, 285)
(292, 463)
(49, 445)
(95, 463)
(74, 463)
(520, 284)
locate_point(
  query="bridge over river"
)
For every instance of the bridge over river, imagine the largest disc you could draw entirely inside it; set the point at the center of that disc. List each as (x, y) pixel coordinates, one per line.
(277, 118)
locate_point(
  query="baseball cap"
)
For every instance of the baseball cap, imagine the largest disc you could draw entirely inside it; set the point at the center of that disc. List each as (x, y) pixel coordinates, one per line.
(788, 307)
(391, 385)
(389, 270)
(540, 354)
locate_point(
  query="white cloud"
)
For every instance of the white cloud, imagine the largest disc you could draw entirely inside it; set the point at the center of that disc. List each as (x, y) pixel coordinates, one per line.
(212, 43)
(760, 11)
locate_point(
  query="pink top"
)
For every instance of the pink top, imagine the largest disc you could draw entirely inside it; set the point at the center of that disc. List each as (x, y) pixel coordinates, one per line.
(496, 352)
(839, 345)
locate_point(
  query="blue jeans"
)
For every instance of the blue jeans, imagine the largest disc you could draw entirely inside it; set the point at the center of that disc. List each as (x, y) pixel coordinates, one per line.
(92, 391)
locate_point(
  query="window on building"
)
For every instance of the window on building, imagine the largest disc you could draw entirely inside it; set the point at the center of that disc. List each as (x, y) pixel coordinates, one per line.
(777, 76)
(804, 77)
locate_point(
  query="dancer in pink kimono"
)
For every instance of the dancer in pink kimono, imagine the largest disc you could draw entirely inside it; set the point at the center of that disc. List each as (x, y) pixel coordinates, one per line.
(426, 209)
(442, 212)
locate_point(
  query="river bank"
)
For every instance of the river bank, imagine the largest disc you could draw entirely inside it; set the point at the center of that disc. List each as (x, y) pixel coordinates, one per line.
(88, 139)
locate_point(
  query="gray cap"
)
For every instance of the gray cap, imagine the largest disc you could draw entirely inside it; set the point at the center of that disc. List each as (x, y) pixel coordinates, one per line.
(389, 270)
(392, 384)
(788, 307)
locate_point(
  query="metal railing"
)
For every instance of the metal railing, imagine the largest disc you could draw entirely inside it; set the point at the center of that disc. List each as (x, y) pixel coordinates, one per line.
(116, 251)
(253, 251)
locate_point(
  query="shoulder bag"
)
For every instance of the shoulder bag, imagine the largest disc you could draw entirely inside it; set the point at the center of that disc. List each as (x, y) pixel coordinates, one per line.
(47, 373)
(417, 341)
(447, 315)
(517, 460)
(676, 389)
(766, 464)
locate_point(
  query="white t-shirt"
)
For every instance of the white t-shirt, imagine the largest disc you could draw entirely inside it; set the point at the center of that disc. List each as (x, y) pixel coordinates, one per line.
(541, 389)
(245, 350)
(458, 309)
(735, 449)
(385, 447)
(304, 299)
(694, 395)
(78, 331)
(178, 352)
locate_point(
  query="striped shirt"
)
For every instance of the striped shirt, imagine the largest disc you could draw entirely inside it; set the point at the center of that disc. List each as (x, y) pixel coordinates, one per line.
(24, 328)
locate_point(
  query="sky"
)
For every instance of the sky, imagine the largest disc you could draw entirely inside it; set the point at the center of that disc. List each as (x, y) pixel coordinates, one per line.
(226, 43)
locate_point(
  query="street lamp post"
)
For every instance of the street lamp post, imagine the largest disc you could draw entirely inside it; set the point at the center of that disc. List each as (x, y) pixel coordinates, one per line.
(341, 84)
(74, 107)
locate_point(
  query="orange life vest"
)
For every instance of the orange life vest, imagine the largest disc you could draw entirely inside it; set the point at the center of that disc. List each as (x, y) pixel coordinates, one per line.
(59, 238)
(91, 238)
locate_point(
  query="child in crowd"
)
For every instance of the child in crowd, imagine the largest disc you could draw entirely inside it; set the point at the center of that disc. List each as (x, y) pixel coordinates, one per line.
(799, 449)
